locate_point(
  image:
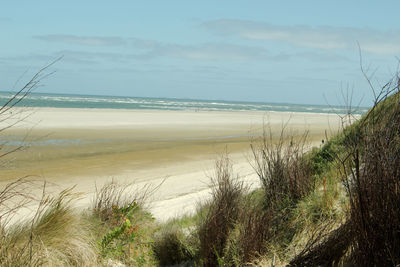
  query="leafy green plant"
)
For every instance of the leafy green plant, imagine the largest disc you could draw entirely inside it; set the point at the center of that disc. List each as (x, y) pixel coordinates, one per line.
(124, 229)
(118, 239)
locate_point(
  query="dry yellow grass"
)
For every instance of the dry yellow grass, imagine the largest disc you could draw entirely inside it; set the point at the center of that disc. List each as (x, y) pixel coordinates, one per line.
(56, 236)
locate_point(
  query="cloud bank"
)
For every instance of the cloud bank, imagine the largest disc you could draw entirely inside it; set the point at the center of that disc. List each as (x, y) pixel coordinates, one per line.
(141, 49)
(321, 37)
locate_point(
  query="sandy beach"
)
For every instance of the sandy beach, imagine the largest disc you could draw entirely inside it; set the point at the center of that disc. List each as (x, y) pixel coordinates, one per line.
(84, 147)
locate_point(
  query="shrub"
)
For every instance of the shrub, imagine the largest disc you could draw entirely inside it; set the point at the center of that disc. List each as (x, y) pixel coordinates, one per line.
(374, 187)
(173, 246)
(283, 170)
(286, 176)
(255, 231)
(221, 215)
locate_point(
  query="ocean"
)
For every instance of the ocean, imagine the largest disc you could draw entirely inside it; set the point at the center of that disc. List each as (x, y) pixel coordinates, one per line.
(147, 103)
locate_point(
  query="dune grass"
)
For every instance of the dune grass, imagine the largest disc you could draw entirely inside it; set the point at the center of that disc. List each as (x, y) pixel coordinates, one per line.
(56, 236)
(117, 229)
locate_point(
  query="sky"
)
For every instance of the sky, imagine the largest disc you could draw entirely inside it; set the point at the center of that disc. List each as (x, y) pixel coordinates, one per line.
(305, 52)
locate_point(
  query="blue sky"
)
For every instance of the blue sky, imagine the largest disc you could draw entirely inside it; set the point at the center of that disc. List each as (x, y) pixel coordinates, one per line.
(268, 51)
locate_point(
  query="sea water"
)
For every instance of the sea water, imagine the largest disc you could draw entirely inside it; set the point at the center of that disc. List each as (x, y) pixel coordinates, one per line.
(146, 103)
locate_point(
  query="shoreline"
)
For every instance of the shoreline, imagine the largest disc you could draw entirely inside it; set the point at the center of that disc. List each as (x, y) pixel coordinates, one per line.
(180, 110)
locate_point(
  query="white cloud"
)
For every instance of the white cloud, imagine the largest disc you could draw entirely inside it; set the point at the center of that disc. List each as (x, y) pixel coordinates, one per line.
(321, 37)
(210, 51)
(82, 40)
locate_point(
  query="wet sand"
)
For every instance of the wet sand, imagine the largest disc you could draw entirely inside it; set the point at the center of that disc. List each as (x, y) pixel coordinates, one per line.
(86, 146)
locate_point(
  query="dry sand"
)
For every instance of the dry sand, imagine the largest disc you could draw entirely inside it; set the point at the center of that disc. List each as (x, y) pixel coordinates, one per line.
(82, 147)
